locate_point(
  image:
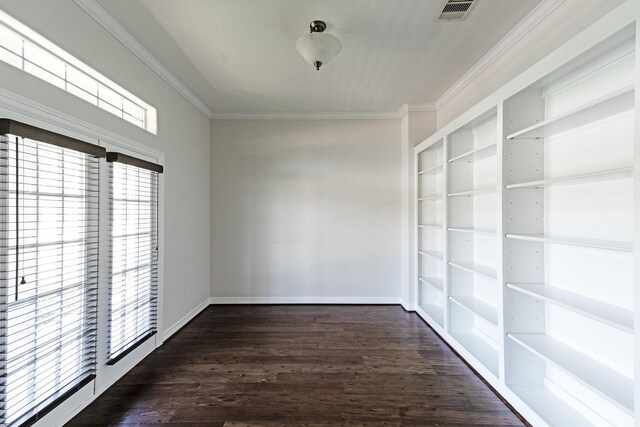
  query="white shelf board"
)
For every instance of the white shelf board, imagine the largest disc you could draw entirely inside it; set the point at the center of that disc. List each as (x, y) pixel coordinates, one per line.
(434, 254)
(476, 154)
(434, 281)
(477, 307)
(607, 382)
(610, 175)
(475, 268)
(550, 407)
(614, 245)
(434, 311)
(429, 225)
(472, 231)
(480, 349)
(430, 197)
(471, 193)
(607, 313)
(433, 170)
(607, 106)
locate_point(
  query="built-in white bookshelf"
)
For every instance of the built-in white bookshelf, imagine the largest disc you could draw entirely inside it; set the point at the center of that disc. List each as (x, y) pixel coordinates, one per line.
(568, 264)
(533, 236)
(472, 221)
(430, 233)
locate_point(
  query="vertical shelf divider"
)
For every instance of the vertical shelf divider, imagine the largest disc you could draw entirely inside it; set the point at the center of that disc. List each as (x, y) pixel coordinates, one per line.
(416, 231)
(429, 229)
(445, 232)
(499, 240)
(636, 231)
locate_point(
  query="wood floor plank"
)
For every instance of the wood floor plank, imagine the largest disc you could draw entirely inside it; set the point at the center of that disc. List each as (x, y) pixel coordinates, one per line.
(266, 365)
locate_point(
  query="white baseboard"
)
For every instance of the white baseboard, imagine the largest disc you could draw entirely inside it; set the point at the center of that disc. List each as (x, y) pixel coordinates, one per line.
(279, 300)
(407, 306)
(305, 300)
(185, 319)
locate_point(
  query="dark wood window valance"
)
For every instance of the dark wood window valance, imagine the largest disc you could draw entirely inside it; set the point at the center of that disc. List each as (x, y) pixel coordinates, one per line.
(134, 161)
(8, 126)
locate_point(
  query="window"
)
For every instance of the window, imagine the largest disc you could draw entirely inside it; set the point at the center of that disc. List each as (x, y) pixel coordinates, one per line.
(134, 253)
(49, 232)
(27, 50)
(49, 258)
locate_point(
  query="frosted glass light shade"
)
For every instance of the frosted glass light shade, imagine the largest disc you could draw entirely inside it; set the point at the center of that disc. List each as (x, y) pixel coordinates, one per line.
(318, 47)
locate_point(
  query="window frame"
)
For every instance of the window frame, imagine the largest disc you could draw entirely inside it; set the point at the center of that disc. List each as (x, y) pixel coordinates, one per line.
(105, 375)
(132, 164)
(47, 152)
(71, 64)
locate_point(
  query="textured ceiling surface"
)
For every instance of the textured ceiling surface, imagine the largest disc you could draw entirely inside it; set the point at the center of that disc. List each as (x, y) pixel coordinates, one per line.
(239, 56)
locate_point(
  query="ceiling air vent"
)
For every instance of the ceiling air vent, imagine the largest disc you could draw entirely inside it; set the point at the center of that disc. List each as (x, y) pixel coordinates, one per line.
(455, 10)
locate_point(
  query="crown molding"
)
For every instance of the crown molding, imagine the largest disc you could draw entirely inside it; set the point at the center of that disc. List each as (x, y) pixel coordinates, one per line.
(305, 116)
(528, 23)
(327, 116)
(415, 108)
(421, 107)
(110, 24)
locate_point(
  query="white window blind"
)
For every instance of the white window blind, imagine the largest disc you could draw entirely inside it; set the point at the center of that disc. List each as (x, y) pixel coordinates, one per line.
(134, 256)
(48, 275)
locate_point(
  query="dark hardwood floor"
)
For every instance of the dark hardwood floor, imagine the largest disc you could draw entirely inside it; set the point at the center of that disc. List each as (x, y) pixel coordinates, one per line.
(300, 365)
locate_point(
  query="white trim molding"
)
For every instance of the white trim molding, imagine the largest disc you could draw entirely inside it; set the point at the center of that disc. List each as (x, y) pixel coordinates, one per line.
(110, 24)
(305, 300)
(528, 23)
(407, 307)
(327, 116)
(168, 332)
(171, 330)
(26, 106)
(411, 108)
(305, 116)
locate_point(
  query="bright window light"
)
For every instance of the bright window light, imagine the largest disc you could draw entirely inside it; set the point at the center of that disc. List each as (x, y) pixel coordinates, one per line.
(27, 50)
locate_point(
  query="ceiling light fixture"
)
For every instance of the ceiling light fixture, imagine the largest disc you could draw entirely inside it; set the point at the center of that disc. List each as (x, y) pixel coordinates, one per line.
(318, 47)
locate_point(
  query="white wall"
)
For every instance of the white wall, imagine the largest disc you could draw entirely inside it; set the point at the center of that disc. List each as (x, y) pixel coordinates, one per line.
(306, 210)
(183, 136)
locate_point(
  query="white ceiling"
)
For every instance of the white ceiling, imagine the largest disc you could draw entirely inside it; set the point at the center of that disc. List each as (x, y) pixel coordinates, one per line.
(239, 56)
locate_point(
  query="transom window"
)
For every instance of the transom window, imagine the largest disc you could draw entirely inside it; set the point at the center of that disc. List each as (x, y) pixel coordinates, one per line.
(30, 52)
